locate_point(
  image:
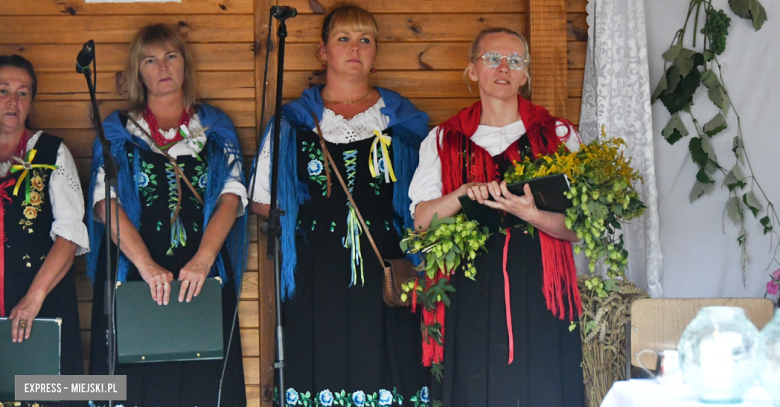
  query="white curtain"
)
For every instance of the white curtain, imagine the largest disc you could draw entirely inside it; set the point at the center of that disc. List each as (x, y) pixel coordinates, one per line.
(616, 94)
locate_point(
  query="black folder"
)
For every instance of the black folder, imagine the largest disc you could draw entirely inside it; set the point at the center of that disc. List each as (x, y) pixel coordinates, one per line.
(38, 355)
(180, 331)
(548, 195)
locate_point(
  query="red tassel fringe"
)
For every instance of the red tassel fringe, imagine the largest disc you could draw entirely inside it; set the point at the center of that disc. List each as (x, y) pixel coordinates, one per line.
(560, 274)
(432, 351)
(560, 277)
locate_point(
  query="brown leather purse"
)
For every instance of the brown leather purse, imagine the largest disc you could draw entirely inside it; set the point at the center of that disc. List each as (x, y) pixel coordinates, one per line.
(396, 271)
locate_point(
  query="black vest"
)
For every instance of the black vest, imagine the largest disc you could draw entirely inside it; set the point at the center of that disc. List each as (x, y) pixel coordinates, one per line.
(28, 224)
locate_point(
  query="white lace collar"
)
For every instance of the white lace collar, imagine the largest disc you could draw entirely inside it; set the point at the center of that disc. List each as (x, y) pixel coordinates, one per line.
(191, 145)
(6, 166)
(337, 129)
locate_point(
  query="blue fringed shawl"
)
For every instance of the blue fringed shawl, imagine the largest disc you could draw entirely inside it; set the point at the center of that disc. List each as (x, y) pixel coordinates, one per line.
(409, 127)
(221, 147)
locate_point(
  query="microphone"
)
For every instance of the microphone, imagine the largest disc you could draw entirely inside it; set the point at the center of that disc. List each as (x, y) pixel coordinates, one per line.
(85, 57)
(283, 12)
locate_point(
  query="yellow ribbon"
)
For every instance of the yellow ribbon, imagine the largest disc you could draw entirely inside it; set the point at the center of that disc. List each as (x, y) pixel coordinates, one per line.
(27, 165)
(373, 160)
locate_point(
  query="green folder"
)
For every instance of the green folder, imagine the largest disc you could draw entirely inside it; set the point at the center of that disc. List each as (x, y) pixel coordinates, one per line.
(548, 195)
(38, 355)
(180, 331)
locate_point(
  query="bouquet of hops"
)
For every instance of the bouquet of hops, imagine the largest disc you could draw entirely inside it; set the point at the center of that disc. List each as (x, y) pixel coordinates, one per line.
(602, 191)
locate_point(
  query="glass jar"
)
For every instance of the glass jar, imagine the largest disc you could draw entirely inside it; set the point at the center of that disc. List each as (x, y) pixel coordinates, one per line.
(768, 358)
(717, 354)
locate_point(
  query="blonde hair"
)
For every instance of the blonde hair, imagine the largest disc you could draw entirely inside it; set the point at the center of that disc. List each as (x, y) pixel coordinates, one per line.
(163, 36)
(525, 91)
(349, 17)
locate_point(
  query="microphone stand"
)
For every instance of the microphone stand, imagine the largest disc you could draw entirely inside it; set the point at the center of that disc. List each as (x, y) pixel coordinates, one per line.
(110, 170)
(274, 224)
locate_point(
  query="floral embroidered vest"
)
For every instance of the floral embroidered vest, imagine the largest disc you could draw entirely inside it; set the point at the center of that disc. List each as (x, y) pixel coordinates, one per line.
(171, 242)
(28, 224)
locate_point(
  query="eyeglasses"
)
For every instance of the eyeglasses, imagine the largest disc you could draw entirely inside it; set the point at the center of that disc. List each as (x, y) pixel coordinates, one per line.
(493, 59)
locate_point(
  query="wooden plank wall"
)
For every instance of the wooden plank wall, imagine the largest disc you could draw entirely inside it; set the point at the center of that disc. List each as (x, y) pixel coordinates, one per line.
(423, 49)
(222, 35)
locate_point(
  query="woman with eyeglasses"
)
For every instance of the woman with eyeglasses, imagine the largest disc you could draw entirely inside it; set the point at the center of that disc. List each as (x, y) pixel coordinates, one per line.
(507, 340)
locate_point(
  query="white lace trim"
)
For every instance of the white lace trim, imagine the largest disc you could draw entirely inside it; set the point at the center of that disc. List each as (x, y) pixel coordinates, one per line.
(63, 229)
(338, 130)
(191, 145)
(6, 165)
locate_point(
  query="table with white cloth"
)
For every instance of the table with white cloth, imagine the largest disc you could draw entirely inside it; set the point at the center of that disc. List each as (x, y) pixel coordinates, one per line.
(650, 393)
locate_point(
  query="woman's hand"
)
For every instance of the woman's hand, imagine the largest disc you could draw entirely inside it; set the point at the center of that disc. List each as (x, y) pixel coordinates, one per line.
(525, 208)
(23, 314)
(477, 191)
(522, 206)
(159, 280)
(193, 275)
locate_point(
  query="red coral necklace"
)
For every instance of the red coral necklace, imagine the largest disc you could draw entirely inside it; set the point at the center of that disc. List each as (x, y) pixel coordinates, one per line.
(157, 136)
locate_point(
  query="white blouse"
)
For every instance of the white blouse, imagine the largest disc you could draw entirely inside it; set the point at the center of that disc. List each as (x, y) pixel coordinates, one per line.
(67, 200)
(191, 146)
(335, 129)
(426, 184)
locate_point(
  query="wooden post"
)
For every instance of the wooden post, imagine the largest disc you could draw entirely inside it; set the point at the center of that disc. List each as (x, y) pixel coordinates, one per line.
(546, 28)
(266, 293)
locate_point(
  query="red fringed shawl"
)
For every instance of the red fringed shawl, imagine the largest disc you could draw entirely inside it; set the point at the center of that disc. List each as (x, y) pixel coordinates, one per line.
(560, 274)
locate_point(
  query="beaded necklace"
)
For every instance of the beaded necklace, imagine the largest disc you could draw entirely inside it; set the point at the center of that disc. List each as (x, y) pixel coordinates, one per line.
(157, 134)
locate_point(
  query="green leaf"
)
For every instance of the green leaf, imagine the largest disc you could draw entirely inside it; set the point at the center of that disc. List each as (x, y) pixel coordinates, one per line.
(734, 179)
(702, 177)
(712, 160)
(749, 9)
(437, 370)
(766, 223)
(737, 147)
(681, 96)
(675, 129)
(716, 125)
(740, 7)
(610, 285)
(709, 78)
(734, 209)
(752, 202)
(685, 61)
(757, 14)
(698, 154)
(659, 89)
(698, 190)
(672, 78)
(450, 256)
(672, 52)
(717, 96)
(590, 325)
